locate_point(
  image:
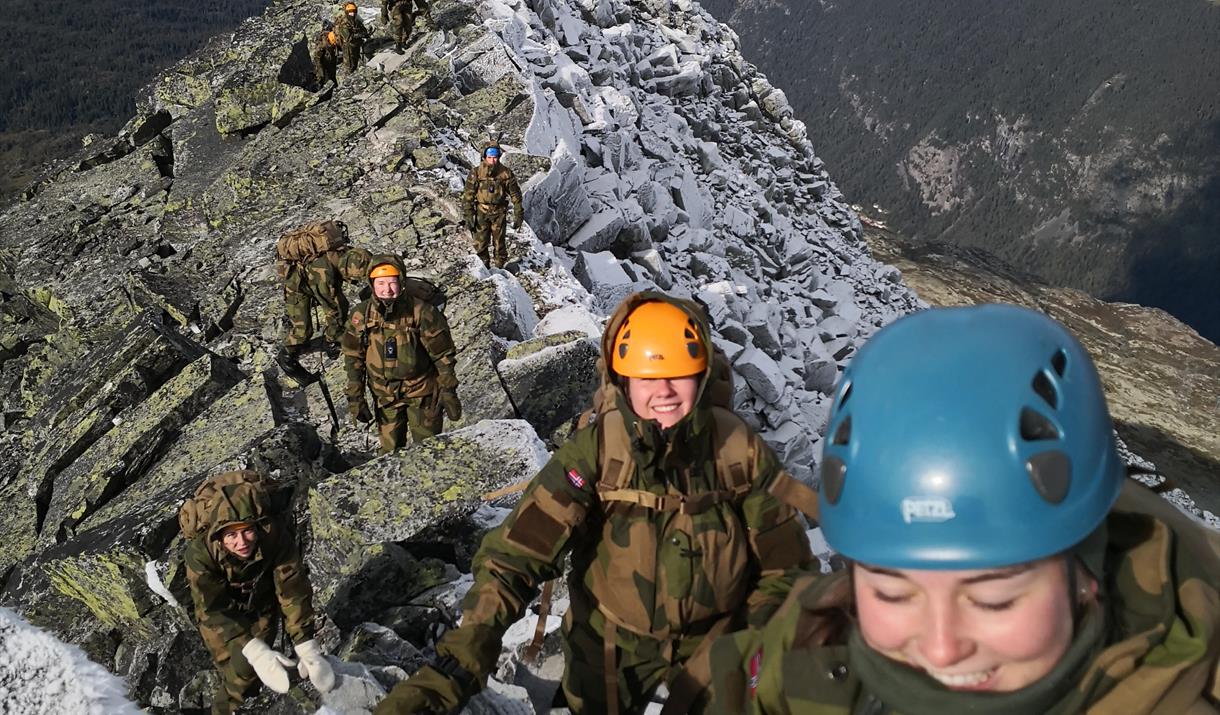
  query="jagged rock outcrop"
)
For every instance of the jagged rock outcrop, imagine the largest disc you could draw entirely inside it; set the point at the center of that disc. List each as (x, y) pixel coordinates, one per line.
(142, 307)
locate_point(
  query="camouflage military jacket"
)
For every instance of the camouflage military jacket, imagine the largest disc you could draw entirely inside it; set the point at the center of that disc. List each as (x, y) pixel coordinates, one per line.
(490, 188)
(230, 594)
(1152, 646)
(404, 353)
(350, 29)
(323, 277)
(654, 574)
(321, 47)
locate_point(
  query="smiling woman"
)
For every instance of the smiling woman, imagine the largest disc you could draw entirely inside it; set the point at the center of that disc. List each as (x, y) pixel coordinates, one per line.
(1000, 560)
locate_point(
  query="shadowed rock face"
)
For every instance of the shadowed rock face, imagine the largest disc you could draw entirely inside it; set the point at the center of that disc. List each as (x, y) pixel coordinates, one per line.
(1162, 379)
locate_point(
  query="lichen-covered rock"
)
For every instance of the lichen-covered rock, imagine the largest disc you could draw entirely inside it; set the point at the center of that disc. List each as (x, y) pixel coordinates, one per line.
(551, 379)
(395, 497)
(139, 436)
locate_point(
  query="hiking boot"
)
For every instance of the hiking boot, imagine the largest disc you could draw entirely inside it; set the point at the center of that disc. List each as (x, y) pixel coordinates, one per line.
(288, 358)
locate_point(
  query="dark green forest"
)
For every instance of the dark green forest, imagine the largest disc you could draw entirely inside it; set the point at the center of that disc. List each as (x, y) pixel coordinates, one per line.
(1116, 97)
(76, 67)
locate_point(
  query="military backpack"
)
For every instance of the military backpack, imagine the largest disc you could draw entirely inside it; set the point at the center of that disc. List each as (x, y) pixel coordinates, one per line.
(307, 242)
(197, 513)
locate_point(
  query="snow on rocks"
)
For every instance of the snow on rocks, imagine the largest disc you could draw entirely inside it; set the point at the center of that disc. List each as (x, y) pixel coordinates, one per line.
(40, 675)
(674, 164)
(604, 276)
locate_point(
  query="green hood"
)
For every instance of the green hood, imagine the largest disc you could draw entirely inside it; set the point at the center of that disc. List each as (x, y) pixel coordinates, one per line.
(237, 503)
(715, 386)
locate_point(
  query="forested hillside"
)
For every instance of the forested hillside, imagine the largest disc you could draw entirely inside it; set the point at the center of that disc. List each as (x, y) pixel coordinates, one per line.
(1078, 139)
(76, 66)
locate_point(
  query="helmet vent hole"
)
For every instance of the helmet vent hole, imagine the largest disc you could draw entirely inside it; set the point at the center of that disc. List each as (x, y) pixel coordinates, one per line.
(1046, 390)
(692, 349)
(1059, 361)
(688, 334)
(834, 472)
(1051, 473)
(846, 394)
(1035, 426)
(843, 433)
(622, 350)
(626, 335)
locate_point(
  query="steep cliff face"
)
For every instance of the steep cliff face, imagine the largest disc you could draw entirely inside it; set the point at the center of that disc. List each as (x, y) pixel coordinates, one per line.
(141, 306)
(1074, 139)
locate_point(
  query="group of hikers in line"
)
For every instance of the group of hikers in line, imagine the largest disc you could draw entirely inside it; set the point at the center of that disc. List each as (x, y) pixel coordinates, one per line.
(396, 342)
(342, 39)
(999, 559)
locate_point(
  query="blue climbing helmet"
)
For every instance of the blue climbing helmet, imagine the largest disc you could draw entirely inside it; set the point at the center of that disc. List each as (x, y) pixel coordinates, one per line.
(967, 438)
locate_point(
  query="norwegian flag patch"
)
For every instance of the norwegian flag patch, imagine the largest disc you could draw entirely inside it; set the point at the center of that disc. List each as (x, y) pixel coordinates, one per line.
(575, 479)
(755, 669)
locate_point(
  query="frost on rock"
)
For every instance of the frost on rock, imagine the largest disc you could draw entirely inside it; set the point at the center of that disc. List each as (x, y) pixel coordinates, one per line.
(683, 168)
(40, 675)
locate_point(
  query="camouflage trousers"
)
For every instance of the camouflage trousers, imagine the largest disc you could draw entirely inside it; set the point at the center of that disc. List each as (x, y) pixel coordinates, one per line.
(421, 416)
(298, 307)
(402, 22)
(489, 233)
(639, 666)
(238, 680)
(351, 56)
(325, 63)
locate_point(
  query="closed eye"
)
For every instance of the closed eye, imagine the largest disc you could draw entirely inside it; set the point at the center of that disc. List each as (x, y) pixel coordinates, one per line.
(891, 598)
(989, 606)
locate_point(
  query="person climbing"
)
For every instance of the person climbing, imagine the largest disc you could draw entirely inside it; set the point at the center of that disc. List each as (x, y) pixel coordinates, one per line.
(313, 261)
(245, 573)
(489, 188)
(324, 52)
(400, 16)
(999, 559)
(399, 344)
(666, 504)
(352, 33)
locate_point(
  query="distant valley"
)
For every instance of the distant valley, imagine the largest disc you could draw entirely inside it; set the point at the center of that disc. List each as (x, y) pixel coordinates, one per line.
(76, 68)
(1077, 140)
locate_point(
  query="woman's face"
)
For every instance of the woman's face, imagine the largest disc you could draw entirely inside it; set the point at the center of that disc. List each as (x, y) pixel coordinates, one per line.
(665, 400)
(988, 630)
(240, 541)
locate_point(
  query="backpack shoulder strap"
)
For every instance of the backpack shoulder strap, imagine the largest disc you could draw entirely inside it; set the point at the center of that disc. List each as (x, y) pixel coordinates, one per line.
(615, 462)
(733, 443)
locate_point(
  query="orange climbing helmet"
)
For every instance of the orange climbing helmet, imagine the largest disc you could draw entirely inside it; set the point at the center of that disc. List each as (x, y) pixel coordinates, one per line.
(658, 340)
(331, 39)
(383, 270)
(349, 7)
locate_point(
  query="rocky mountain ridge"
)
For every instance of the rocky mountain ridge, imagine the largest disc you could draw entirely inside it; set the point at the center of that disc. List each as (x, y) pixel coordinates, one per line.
(140, 310)
(141, 306)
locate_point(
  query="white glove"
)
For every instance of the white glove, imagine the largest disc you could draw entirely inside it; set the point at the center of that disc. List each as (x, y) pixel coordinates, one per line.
(268, 664)
(315, 666)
